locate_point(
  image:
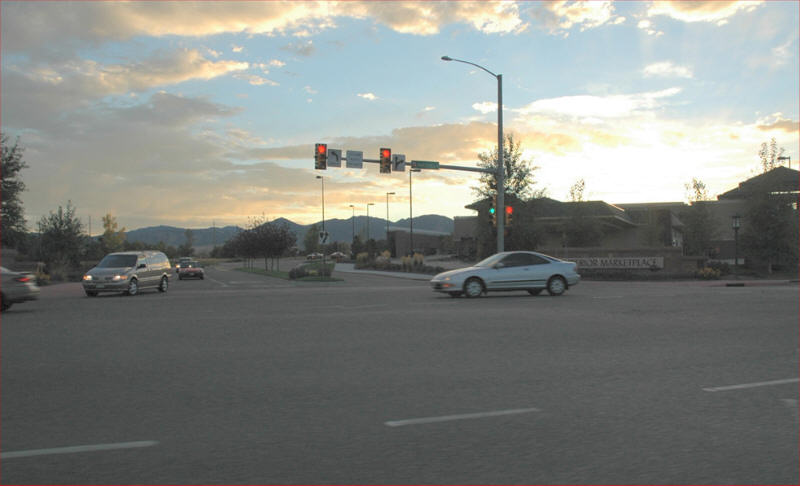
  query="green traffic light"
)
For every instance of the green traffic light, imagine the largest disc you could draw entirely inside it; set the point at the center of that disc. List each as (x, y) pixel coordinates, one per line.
(491, 210)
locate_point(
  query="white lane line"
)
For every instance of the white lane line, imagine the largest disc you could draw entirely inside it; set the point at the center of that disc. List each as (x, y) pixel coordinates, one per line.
(77, 449)
(752, 385)
(465, 416)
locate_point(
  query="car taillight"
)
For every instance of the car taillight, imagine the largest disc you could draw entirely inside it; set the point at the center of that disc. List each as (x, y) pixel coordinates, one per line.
(23, 279)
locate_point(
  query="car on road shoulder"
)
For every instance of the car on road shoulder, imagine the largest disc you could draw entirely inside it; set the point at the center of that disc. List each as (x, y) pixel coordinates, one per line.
(511, 270)
(16, 287)
(128, 272)
(190, 269)
(314, 256)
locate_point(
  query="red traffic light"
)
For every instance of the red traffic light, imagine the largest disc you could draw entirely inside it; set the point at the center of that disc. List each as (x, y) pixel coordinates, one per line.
(386, 153)
(321, 156)
(322, 148)
(509, 210)
(385, 160)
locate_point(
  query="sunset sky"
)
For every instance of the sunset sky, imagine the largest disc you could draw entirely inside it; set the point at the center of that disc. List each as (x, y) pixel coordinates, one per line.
(192, 114)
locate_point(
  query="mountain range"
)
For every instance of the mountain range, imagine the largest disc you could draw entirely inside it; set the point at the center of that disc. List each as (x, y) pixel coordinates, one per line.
(338, 229)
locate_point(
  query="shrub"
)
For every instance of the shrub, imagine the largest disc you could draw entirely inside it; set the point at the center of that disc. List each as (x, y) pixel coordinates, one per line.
(708, 273)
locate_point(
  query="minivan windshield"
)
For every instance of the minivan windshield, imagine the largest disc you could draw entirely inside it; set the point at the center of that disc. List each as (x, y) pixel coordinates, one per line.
(117, 261)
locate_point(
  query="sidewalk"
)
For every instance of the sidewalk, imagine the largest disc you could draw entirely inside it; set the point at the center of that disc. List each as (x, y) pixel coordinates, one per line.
(350, 268)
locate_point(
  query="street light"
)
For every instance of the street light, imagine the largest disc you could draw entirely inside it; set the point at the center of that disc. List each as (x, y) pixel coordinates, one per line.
(323, 202)
(500, 170)
(787, 159)
(354, 221)
(368, 205)
(736, 223)
(411, 213)
(387, 216)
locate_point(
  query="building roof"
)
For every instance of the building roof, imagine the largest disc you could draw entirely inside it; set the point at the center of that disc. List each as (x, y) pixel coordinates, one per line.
(780, 179)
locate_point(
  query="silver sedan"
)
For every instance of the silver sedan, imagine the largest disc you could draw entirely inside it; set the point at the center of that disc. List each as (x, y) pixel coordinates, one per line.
(16, 287)
(511, 270)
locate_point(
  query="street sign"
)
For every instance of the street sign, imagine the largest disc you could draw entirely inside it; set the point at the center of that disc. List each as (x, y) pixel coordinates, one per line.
(355, 159)
(425, 164)
(398, 162)
(334, 158)
(323, 237)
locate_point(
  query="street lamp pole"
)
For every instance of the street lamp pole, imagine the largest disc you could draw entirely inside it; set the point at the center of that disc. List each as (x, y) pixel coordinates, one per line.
(736, 223)
(500, 169)
(411, 214)
(368, 205)
(323, 202)
(354, 222)
(387, 217)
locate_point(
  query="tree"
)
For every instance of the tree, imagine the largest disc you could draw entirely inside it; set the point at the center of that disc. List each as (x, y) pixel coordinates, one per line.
(519, 179)
(311, 239)
(113, 239)
(769, 155)
(187, 249)
(61, 238)
(770, 226)
(12, 223)
(576, 191)
(699, 227)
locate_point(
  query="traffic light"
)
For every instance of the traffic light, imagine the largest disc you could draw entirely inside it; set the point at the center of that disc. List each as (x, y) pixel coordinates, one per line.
(493, 214)
(321, 156)
(509, 212)
(386, 160)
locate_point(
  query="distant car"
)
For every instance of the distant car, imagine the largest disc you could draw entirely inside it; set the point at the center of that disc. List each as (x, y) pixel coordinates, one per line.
(512, 270)
(16, 287)
(314, 256)
(181, 260)
(127, 272)
(190, 269)
(337, 255)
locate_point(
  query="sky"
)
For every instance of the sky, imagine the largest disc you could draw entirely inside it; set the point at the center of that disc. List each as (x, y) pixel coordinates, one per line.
(194, 114)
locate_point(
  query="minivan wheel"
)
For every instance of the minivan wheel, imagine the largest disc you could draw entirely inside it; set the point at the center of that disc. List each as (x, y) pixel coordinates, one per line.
(133, 287)
(556, 285)
(473, 288)
(164, 284)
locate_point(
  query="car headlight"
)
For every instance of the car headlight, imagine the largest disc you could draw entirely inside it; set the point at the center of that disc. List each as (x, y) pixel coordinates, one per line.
(87, 278)
(446, 279)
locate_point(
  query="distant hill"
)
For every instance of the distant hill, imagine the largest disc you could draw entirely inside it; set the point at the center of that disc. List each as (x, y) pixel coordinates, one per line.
(339, 230)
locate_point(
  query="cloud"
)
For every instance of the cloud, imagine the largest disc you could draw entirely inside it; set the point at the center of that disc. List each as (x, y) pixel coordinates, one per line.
(367, 96)
(560, 17)
(255, 80)
(647, 26)
(57, 26)
(598, 107)
(301, 48)
(778, 123)
(485, 107)
(717, 12)
(667, 69)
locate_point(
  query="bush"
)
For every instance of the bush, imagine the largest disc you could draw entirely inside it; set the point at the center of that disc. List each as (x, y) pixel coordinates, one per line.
(724, 268)
(315, 269)
(708, 273)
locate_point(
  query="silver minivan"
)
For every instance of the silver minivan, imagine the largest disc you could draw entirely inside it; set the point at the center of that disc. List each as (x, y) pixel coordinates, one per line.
(128, 272)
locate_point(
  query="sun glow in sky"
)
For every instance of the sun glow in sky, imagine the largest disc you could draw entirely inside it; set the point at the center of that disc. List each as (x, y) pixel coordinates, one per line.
(193, 114)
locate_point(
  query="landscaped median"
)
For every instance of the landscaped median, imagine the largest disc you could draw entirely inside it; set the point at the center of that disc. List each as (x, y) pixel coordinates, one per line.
(305, 272)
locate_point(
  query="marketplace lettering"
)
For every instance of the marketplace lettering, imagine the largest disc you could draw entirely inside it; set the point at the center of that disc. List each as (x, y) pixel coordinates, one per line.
(620, 262)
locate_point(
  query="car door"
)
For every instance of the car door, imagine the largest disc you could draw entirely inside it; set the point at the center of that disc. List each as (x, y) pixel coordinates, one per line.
(145, 271)
(508, 272)
(541, 270)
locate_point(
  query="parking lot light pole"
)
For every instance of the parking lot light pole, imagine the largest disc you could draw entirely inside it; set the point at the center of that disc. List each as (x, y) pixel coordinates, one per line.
(354, 221)
(736, 223)
(368, 205)
(411, 214)
(387, 216)
(323, 216)
(500, 169)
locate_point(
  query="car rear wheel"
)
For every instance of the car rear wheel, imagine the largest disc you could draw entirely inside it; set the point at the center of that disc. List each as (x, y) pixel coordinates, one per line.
(556, 285)
(164, 284)
(473, 287)
(133, 287)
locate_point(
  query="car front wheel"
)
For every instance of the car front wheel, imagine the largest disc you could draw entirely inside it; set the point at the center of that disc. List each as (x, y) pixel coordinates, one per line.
(473, 288)
(556, 285)
(133, 287)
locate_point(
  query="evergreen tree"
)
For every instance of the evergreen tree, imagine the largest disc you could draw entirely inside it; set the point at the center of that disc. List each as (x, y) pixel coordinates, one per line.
(12, 222)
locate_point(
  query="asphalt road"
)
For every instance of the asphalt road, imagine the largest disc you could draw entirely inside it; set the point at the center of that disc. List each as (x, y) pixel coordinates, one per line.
(245, 379)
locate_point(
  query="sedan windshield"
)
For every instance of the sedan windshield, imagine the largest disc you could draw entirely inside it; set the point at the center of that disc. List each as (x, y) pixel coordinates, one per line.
(117, 261)
(488, 262)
